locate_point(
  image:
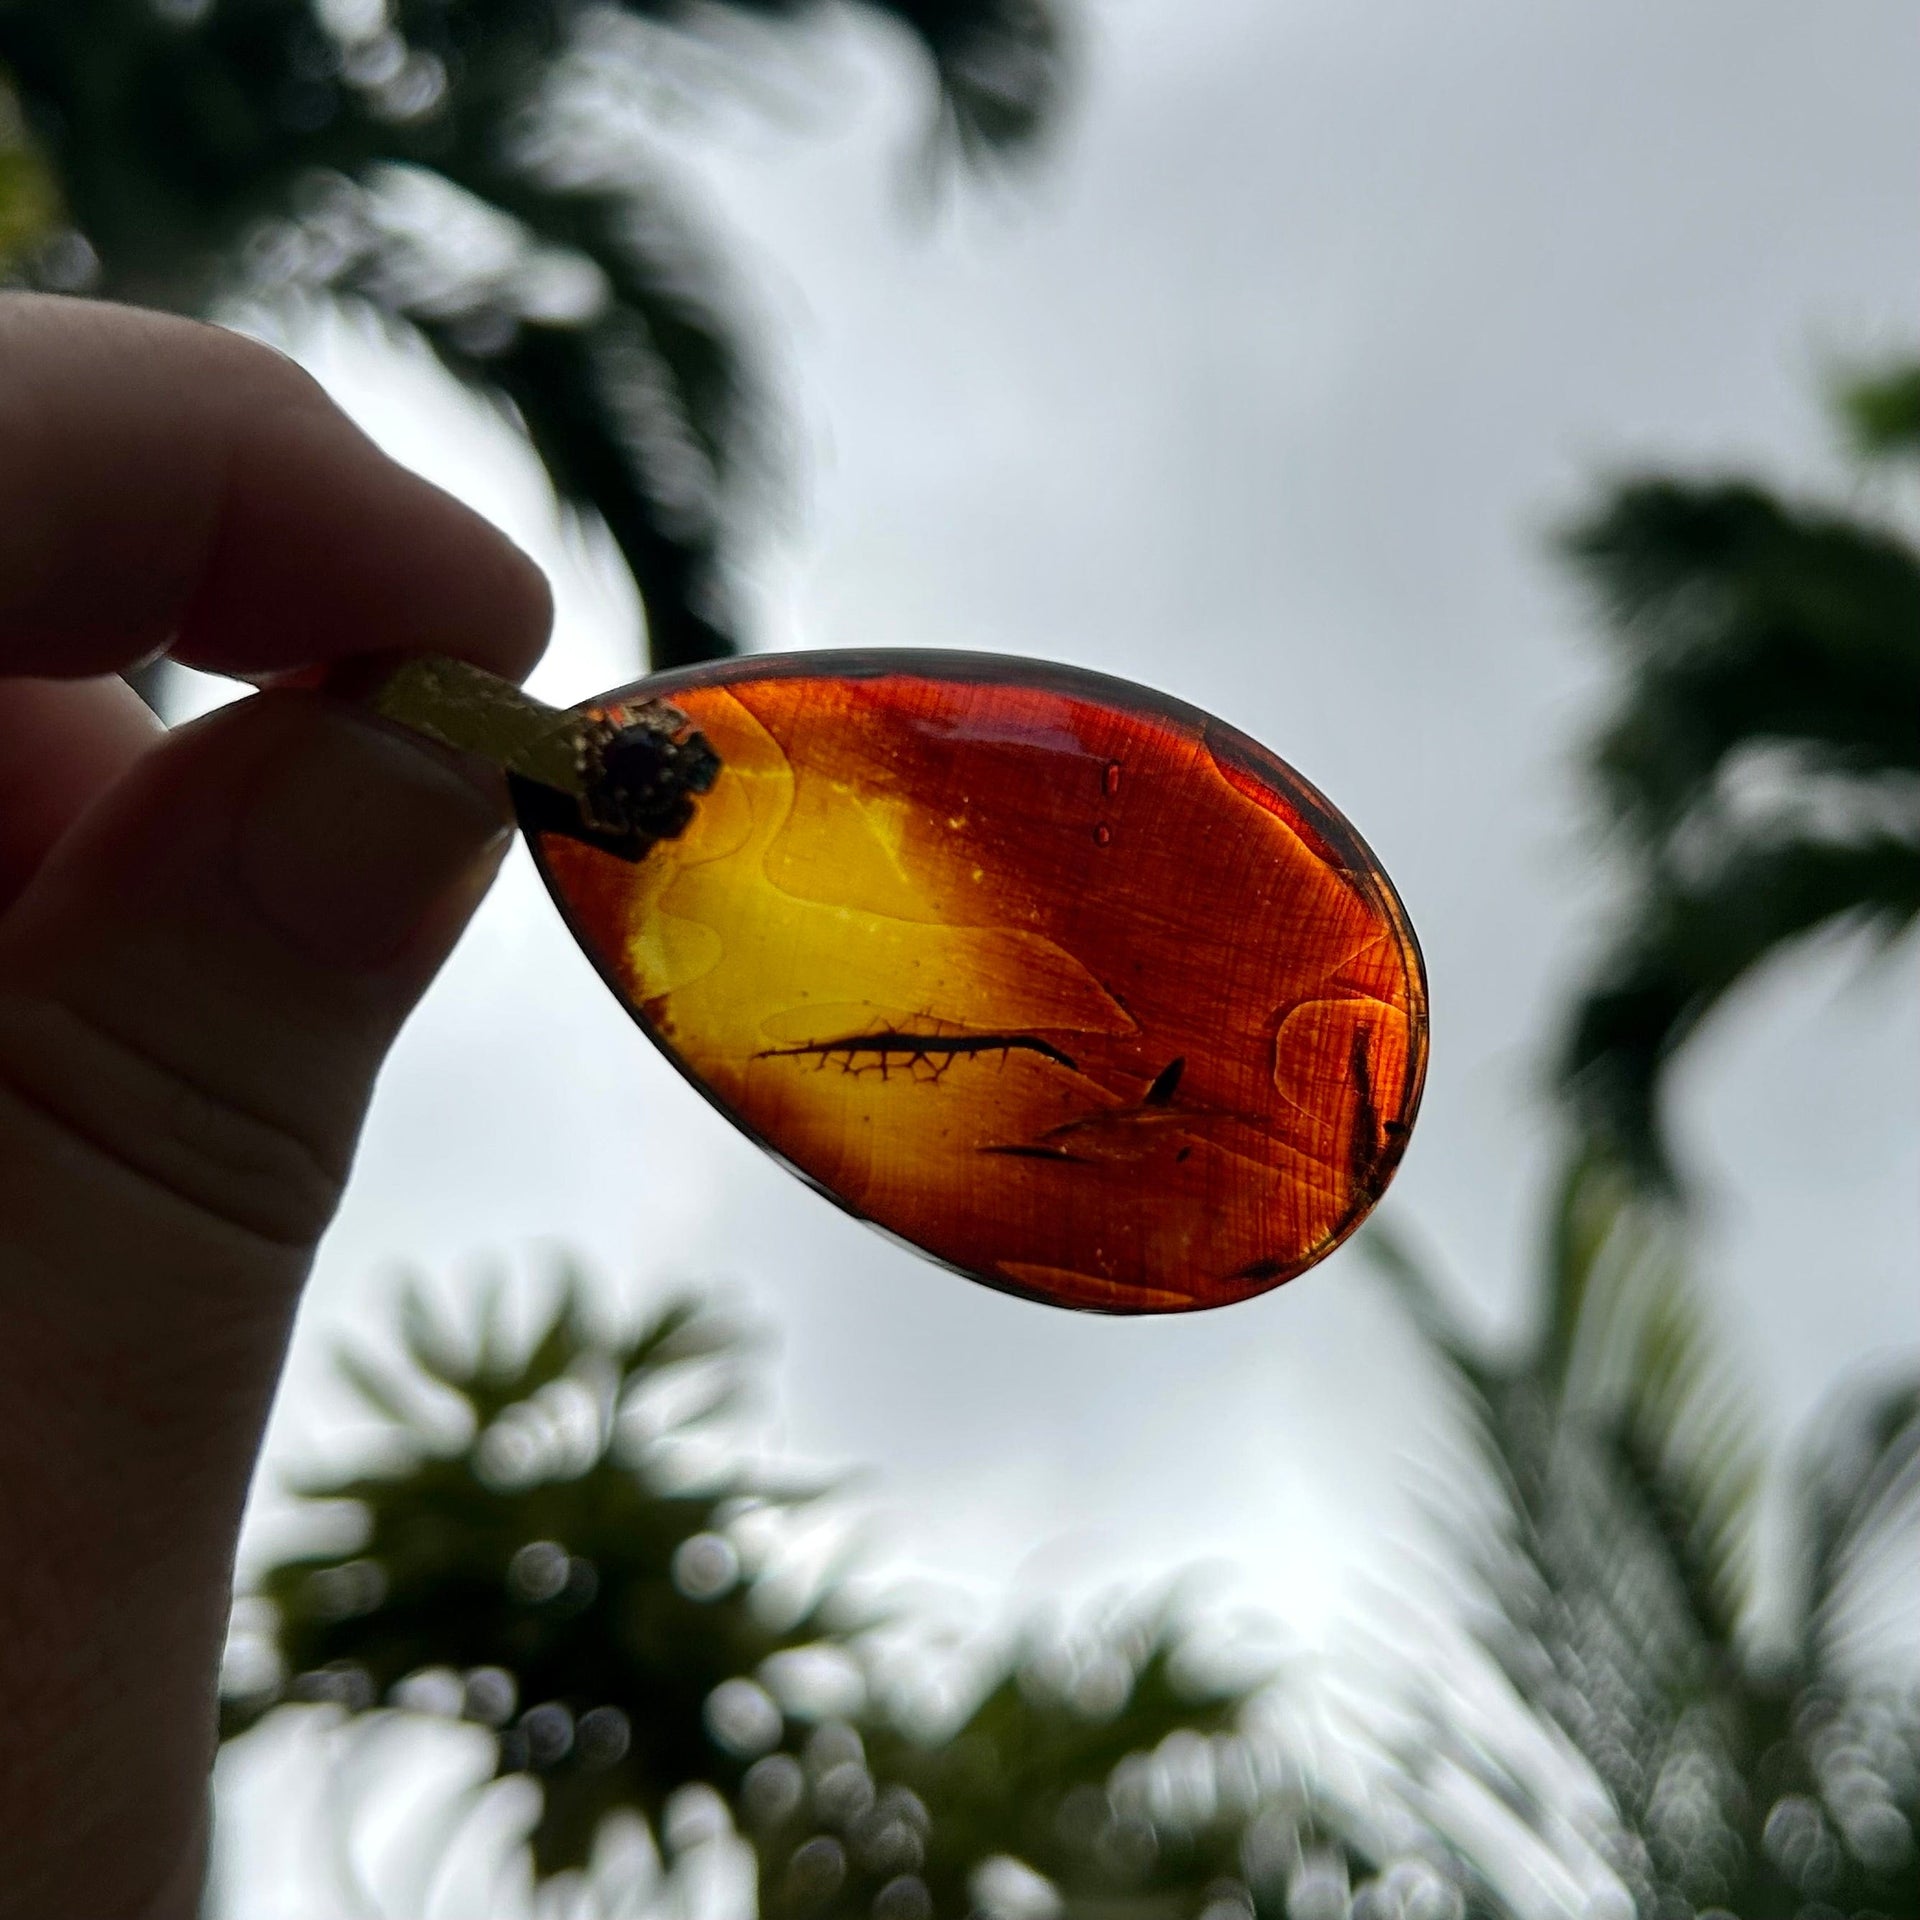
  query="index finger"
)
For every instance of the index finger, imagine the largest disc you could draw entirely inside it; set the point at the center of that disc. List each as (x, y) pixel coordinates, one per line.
(165, 484)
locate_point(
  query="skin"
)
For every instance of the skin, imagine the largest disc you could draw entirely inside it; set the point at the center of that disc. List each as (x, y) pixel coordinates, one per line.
(208, 940)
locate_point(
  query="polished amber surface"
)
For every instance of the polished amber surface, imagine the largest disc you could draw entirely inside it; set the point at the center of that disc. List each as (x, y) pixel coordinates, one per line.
(1075, 988)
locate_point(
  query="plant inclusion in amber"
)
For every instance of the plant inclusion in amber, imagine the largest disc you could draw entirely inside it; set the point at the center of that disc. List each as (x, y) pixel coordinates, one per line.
(1075, 988)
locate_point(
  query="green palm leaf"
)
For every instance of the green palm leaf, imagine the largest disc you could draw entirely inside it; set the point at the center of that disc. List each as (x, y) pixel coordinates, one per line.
(1762, 766)
(1881, 412)
(1689, 942)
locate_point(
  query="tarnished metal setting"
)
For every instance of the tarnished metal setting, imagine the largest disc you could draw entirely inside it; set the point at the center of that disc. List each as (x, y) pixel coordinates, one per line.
(621, 779)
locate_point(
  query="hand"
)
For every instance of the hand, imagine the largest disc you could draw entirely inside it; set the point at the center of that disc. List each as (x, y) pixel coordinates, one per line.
(208, 940)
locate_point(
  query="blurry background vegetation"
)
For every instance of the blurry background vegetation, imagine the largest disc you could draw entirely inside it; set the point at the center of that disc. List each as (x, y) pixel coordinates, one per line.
(475, 171)
(560, 1552)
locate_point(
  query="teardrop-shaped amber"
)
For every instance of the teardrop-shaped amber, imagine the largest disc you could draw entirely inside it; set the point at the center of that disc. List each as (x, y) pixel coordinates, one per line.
(1078, 990)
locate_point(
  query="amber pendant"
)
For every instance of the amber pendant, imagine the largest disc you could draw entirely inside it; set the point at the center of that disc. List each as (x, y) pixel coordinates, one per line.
(1074, 988)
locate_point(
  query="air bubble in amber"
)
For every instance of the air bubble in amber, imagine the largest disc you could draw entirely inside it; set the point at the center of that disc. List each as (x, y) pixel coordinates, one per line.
(1076, 989)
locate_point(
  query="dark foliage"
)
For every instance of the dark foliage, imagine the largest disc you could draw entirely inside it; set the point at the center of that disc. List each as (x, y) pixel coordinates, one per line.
(1761, 1771)
(473, 169)
(589, 1605)
(1761, 770)
(538, 1557)
(1881, 412)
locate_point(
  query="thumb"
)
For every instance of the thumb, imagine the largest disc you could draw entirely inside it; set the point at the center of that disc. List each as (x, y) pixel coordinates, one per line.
(196, 992)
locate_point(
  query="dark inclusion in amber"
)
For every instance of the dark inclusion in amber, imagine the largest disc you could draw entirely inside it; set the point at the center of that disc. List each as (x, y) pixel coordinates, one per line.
(1071, 986)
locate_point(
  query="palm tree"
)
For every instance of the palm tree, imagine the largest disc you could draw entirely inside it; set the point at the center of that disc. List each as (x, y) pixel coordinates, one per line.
(476, 172)
(1761, 769)
(532, 1538)
(1752, 1759)
(541, 1556)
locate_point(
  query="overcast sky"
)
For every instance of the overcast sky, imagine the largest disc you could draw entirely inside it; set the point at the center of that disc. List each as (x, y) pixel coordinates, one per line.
(1262, 390)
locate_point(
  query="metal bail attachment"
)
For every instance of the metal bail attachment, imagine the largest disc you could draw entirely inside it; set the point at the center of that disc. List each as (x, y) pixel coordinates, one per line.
(622, 781)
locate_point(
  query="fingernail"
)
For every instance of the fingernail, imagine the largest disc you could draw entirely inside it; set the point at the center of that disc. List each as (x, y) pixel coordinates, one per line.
(357, 838)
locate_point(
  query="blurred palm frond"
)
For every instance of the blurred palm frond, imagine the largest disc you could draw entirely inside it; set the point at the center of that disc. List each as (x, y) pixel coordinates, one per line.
(1880, 411)
(482, 171)
(540, 1563)
(547, 1551)
(1617, 1585)
(1761, 769)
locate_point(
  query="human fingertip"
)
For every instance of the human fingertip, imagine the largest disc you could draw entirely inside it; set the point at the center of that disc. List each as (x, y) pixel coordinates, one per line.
(526, 611)
(360, 834)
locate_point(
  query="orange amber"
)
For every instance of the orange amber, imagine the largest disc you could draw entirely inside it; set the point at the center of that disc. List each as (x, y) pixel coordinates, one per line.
(1073, 987)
